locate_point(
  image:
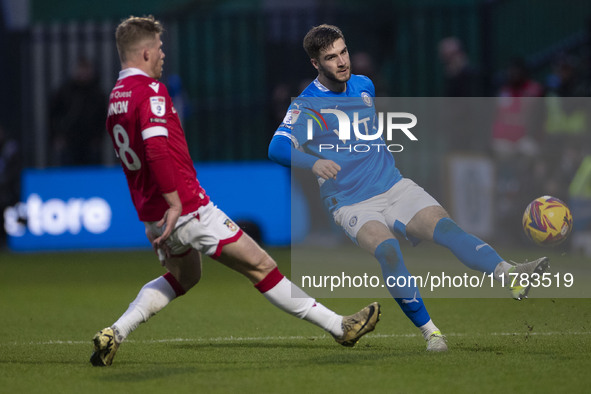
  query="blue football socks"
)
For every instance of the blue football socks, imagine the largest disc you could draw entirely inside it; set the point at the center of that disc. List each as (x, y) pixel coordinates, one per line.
(405, 292)
(470, 250)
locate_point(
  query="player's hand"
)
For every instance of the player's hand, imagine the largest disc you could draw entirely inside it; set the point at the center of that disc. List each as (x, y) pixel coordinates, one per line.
(163, 252)
(167, 223)
(326, 169)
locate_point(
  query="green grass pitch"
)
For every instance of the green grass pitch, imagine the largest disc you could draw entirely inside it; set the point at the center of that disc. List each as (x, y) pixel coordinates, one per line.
(224, 337)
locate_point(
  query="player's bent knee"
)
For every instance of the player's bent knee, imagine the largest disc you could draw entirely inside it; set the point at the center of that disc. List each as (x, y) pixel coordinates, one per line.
(259, 267)
(372, 234)
(187, 279)
(446, 226)
(388, 253)
(190, 281)
(256, 257)
(186, 269)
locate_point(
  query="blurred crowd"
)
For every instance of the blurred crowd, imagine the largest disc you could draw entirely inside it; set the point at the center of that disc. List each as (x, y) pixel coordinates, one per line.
(536, 133)
(539, 135)
(77, 118)
(540, 131)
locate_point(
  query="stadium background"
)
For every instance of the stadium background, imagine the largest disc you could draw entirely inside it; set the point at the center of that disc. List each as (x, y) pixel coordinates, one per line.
(223, 337)
(235, 64)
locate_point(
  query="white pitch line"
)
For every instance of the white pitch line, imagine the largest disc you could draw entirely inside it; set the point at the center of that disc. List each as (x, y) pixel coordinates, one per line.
(291, 338)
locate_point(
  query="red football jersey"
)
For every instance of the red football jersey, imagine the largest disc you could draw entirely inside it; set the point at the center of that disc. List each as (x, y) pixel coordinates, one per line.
(140, 108)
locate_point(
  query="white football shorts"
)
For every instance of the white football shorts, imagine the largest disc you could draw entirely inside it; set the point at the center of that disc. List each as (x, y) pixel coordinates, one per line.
(207, 230)
(394, 208)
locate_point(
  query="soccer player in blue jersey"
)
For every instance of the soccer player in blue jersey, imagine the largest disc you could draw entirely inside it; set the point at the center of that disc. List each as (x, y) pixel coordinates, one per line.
(362, 189)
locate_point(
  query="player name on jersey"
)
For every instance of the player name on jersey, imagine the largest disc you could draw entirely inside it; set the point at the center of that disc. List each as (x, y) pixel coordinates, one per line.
(118, 107)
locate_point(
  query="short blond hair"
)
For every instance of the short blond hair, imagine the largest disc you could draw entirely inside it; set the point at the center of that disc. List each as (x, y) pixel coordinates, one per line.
(134, 30)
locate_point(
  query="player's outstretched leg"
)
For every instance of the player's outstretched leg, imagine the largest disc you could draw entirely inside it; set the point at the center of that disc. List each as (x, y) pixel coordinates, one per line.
(408, 298)
(480, 256)
(346, 330)
(248, 258)
(470, 250)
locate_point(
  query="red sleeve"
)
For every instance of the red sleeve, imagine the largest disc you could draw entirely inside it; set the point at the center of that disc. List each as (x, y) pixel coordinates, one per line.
(161, 163)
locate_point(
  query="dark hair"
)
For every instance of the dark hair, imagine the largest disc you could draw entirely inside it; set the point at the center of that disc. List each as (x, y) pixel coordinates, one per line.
(319, 38)
(133, 30)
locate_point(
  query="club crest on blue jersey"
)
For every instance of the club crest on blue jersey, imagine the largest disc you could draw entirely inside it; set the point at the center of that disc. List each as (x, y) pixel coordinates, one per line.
(366, 98)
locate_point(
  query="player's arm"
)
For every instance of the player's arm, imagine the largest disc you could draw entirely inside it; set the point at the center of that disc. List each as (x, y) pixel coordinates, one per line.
(282, 151)
(162, 169)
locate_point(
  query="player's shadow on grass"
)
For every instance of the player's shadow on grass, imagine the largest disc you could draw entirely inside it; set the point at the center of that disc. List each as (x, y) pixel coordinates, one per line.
(124, 375)
(138, 371)
(310, 352)
(305, 344)
(28, 361)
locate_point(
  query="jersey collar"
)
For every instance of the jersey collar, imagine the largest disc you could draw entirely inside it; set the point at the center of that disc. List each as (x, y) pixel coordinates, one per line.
(131, 71)
(323, 88)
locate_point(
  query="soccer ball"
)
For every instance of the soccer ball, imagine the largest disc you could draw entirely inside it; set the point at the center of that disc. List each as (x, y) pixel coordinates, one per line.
(547, 221)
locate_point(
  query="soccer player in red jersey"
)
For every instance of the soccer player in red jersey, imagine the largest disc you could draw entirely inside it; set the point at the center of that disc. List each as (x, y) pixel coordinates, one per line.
(181, 222)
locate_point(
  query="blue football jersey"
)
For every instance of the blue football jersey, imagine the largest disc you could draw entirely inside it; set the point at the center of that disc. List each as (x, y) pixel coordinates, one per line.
(342, 127)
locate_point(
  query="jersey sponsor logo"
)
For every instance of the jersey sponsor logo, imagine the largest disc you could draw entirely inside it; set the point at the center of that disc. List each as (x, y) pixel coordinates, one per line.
(158, 105)
(155, 86)
(158, 120)
(118, 94)
(118, 107)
